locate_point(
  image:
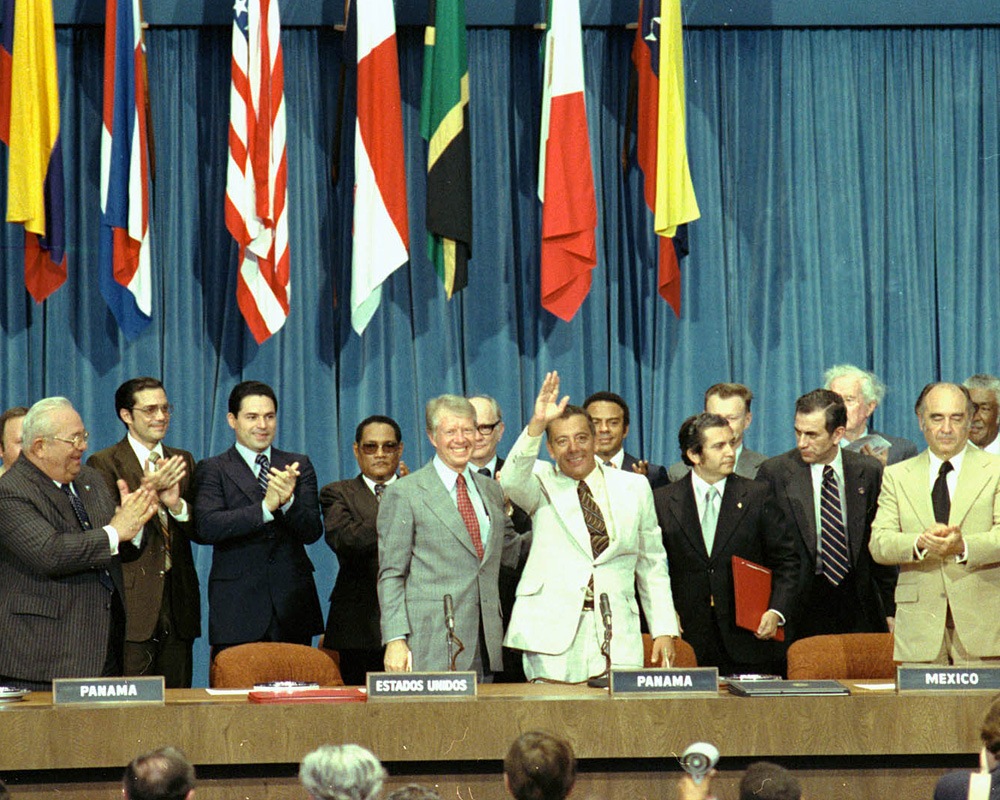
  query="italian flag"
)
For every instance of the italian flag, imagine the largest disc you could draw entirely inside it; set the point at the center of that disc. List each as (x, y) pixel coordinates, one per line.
(565, 174)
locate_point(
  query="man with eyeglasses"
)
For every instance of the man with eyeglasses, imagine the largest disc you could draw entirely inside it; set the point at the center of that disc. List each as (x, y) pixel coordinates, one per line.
(162, 598)
(350, 508)
(258, 507)
(985, 393)
(61, 608)
(489, 432)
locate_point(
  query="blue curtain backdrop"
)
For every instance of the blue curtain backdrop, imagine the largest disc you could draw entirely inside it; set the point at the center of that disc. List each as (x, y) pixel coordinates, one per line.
(849, 182)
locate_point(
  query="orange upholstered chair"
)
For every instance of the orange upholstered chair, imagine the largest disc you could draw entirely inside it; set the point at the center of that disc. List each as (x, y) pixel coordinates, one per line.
(856, 656)
(683, 653)
(245, 665)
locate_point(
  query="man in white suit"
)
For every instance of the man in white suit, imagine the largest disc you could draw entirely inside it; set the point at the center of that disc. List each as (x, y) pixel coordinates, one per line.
(595, 533)
(939, 519)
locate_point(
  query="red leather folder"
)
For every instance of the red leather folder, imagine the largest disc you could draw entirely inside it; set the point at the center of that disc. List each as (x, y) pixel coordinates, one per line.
(326, 694)
(752, 584)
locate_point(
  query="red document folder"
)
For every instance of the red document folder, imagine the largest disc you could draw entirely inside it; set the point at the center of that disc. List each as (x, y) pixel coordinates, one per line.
(752, 584)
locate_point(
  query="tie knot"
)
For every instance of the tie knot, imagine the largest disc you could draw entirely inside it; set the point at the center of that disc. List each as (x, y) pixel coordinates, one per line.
(946, 467)
(609, 464)
(711, 494)
(484, 471)
(261, 460)
(379, 489)
(153, 457)
(828, 473)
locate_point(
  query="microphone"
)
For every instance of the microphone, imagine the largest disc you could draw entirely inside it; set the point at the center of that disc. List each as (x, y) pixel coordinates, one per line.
(449, 613)
(605, 610)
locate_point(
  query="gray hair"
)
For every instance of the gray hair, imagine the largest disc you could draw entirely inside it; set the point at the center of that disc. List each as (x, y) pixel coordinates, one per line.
(342, 772)
(494, 405)
(872, 389)
(447, 404)
(983, 381)
(38, 421)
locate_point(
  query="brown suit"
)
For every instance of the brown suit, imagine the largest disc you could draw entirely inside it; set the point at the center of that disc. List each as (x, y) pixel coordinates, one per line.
(144, 567)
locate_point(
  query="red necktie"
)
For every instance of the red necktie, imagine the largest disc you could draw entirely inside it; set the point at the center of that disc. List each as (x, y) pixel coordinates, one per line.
(469, 515)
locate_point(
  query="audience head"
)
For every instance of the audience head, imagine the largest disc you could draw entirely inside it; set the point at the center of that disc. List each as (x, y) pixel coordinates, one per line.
(609, 415)
(451, 427)
(342, 772)
(11, 422)
(732, 401)
(539, 766)
(708, 446)
(378, 446)
(989, 732)
(862, 392)
(766, 781)
(54, 438)
(164, 774)
(571, 442)
(944, 411)
(413, 791)
(253, 415)
(820, 422)
(141, 404)
(489, 429)
(985, 393)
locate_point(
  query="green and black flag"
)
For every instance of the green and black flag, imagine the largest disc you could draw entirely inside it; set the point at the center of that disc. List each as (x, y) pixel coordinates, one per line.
(444, 123)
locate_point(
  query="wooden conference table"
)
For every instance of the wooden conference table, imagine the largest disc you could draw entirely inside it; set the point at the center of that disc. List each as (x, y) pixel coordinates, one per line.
(873, 744)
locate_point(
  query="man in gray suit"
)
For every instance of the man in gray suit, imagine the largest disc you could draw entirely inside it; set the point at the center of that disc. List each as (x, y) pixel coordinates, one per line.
(442, 531)
(61, 608)
(731, 401)
(862, 392)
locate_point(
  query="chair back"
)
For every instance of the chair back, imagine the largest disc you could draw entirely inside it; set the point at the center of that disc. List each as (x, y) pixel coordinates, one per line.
(684, 656)
(855, 656)
(245, 665)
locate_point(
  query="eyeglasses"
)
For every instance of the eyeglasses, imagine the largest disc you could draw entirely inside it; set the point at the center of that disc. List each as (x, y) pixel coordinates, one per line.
(371, 448)
(79, 441)
(149, 411)
(487, 428)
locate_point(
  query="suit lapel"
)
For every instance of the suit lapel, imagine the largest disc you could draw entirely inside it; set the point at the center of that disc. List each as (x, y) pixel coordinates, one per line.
(241, 474)
(685, 511)
(495, 539)
(914, 484)
(857, 504)
(367, 502)
(731, 511)
(970, 483)
(440, 504)
(127, 466)
(802, 502)
(566, 504)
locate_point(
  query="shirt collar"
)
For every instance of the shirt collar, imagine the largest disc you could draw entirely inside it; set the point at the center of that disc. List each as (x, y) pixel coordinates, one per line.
(956, 460)
(142, 452)
(491, 465)
(250, 456)
(837, 464)
(617, 459)
(701, 486)
(448, 476)
(371, 484)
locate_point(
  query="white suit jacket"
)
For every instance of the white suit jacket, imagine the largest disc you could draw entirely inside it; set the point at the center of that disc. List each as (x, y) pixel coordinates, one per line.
(926, 588)
(560, 563)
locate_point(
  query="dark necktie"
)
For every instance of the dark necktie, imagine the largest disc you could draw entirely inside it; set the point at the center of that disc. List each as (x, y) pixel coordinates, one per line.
(485, 471)
(379, 491)
(469, 515)
(162, 523)
(263, 476)
(939, 494)
(84, 519)
(833, 538)
(598, 530)
(78, 509)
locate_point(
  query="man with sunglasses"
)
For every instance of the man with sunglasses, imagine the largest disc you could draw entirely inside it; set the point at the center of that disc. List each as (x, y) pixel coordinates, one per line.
(350, 508)
(61, 608)
(162, 598)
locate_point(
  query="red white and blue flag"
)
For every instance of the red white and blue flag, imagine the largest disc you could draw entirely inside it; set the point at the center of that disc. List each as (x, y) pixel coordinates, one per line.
(381, 227)
(124, 250)
(257, 179)
(565, 173)
(29, 125)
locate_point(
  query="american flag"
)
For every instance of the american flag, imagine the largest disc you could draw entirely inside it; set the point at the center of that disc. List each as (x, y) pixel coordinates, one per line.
(125, 274)
(256, 184)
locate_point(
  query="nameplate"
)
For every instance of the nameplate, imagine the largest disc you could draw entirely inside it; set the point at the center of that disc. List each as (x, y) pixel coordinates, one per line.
(390, 685)
(947, 679)
(664, 681)
(107, 690)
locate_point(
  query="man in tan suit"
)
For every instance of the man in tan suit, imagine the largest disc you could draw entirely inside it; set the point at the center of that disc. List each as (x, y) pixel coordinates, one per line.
(939, 520)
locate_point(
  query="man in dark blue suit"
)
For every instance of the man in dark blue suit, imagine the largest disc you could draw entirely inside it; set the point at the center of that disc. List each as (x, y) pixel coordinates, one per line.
(258, 506)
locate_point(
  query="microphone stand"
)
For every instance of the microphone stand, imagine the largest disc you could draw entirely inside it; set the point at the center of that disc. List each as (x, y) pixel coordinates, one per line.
(603, 681)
